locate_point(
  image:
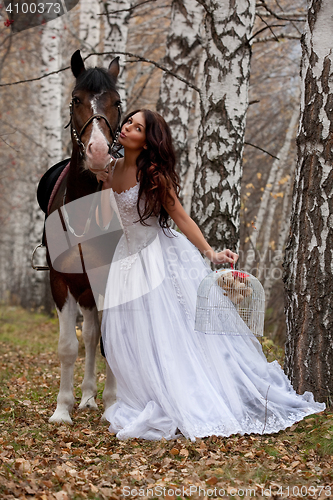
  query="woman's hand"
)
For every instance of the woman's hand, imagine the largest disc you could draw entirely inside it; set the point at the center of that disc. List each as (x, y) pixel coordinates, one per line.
(223, 257)
(102, 175)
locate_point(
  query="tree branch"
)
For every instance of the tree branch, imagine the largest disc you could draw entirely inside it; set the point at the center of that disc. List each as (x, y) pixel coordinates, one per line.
(27, 136)
(268, 26)
(264, 29)
(107, 13)
(285, 17)
(129, 54)
(276, 38)
(261, 149)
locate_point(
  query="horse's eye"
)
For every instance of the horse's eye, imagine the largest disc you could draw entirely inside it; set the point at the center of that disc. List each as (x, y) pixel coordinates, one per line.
(118, 104)
(76, 100)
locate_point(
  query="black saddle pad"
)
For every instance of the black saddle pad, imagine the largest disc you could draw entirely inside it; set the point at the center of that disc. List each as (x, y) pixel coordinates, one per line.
(47, 183)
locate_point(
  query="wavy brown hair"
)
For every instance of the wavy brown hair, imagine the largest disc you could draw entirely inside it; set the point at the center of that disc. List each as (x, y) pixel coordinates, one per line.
(156, 169)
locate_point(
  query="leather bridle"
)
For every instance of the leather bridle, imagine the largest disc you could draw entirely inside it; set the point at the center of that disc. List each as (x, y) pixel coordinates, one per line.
(77, 135)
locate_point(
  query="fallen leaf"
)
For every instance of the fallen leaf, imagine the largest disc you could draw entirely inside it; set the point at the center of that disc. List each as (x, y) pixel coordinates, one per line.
(23, 465)
(93, 488)
(212, 480)
(61, 495)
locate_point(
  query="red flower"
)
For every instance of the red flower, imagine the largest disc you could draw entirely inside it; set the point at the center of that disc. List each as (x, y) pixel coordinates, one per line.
(8, 22)
(239, 275)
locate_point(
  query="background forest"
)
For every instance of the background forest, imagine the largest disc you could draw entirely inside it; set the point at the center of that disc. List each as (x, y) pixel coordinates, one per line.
(150, 37)
(225, 75)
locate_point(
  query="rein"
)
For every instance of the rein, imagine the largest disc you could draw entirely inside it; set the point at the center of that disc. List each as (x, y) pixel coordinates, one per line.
(90, 215)
(77, 135)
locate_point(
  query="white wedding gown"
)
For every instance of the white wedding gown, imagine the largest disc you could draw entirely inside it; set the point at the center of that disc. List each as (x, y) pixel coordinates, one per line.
(170, 378)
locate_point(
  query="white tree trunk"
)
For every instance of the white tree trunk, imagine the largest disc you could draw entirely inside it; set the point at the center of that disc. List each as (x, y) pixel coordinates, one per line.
(308, 262)
(224, 102)
(89, 29)
(276, 261)
(51, 138)
(178, 102)
(269, 200)
(115, 38)
(50, 90)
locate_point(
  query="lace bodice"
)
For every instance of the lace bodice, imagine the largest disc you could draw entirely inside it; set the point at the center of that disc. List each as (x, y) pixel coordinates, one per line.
(136, 236)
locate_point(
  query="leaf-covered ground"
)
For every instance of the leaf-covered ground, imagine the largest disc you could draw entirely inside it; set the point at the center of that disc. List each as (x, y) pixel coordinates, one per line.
(39, 460)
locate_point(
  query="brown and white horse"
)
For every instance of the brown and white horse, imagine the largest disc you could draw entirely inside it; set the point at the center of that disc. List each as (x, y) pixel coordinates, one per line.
(95, 116)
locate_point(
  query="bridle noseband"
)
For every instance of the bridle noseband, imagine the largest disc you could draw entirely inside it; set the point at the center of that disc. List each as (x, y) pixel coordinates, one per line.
(77, 135)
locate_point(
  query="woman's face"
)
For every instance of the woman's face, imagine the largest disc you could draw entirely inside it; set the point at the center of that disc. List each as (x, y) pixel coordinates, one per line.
(133, 132)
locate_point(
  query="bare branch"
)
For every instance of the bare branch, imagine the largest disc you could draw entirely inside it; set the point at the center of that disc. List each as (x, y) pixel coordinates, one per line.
(130, 9)
(129, 54)
(261, 149)
(255, 101)
(268, 26)
(9, 145)
(16, 129)
(264, 29)
(284, 17)
(276, 38)
(35, 79)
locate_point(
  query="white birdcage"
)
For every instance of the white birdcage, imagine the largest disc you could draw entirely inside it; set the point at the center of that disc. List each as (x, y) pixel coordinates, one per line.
(230, 302)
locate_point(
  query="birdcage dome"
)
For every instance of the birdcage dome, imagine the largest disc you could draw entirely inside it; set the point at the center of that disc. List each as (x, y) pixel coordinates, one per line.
(230, 302)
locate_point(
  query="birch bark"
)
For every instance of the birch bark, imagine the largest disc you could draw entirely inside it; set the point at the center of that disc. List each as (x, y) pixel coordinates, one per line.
(308, 261)
(224, 102)
(116, 21)
(50, 90)
(179, 103)
(89, 29)
(37, 283)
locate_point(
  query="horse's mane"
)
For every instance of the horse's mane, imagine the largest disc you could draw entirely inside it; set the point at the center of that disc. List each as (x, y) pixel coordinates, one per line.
(95, 80)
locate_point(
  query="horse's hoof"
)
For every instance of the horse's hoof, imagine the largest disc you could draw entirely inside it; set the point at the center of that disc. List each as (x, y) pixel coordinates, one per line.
(88, 404)
(60, 417)
(104, 420)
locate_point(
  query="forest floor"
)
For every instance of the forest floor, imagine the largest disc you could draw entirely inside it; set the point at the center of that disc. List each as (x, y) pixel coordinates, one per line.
(39, 460)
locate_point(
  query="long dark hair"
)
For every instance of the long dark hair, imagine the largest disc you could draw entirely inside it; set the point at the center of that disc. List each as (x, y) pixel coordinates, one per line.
(156, 168)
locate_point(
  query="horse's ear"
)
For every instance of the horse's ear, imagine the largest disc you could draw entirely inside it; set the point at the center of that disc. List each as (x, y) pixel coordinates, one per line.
(77, 64)
(114, 68)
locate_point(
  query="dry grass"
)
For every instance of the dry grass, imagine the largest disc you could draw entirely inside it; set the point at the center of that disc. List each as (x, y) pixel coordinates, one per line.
(47, 461)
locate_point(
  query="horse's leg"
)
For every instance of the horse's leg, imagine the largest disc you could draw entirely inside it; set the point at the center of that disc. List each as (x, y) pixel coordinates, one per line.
(67, 350)
(110, 389)
(91, 335)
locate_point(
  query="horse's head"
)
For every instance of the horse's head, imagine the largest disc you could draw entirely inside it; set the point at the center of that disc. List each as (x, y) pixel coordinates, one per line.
(95, 112)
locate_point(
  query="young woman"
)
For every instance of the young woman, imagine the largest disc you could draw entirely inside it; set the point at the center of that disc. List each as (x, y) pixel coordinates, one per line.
(171, 378)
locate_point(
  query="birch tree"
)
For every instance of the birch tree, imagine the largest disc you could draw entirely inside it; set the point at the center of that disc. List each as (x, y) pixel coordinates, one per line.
(224, 102)
(51, 137)
(50, 90)
(268, 202)
(308, 262)
(116, 18)
(179, 102)
(89, 28)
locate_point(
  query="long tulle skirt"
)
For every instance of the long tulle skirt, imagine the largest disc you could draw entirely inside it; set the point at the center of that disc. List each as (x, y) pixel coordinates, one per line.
(171, 378)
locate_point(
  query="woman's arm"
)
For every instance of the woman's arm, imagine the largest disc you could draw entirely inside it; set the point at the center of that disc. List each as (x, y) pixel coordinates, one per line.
(193, 233)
